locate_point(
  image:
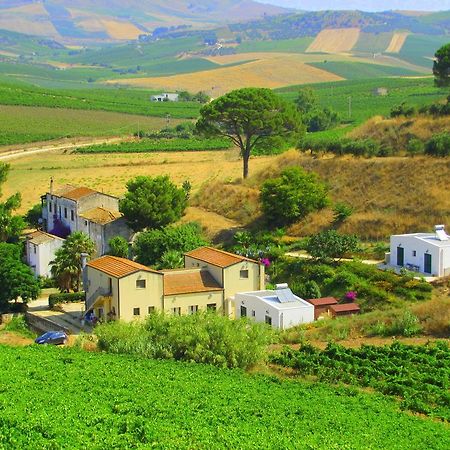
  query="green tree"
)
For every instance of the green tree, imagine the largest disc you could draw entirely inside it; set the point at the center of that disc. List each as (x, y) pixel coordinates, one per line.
(156, 247)
(34, 215)
(248, 116)
(292, 196)
(152, 202)
(306, 101)
(16, 278)
(441, 66)
(66, 267)
(118, 246)
(331, 244)
(438, 145)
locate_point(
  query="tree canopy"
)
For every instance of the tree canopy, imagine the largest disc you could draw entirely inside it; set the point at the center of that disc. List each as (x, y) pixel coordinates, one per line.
(441, 66)
(118, 246)
(292, 196)
(249, 116)
(331, 244)
(66, 267)
(152, 202)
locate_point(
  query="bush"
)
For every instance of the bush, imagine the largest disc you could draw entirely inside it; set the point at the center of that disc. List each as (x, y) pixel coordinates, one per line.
(203, 338)
(18, 325)
(402, 110)
(406, 325)
(438, 145)
(331, 244)
(72, 297)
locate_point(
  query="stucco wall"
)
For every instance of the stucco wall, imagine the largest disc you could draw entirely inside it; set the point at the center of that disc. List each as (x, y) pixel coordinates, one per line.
(39, 256)
(201, 299)
(216, 272)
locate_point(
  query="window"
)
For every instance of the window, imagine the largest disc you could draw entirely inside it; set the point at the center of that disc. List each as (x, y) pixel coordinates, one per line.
(140, 284)
(65, 213)
(34, 249)
(193, 309)
(50, 206)
(243, 273)
(414, 253)
(72, 215)
(136, 311)
(243, 311)
(85, 223)
(211, 306)
(176, 311)
(151, 309)
(253, 313)
(269, 320)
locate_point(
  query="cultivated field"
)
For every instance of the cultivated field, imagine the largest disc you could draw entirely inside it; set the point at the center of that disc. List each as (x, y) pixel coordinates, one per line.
(21, 124)
(396, 44)
(335, 40)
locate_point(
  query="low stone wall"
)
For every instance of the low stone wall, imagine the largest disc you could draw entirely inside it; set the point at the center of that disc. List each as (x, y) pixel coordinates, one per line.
(41, 324)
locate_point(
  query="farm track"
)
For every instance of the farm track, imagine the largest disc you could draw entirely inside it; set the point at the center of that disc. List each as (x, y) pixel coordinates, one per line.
(42, 148)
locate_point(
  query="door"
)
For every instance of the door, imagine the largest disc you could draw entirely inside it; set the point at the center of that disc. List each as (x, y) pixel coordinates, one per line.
(243, 311)
(400, 256)
(427, 263)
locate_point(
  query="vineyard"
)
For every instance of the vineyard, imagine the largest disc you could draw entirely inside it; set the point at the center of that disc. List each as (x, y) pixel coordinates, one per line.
(68, 398)
(159, 145)
(419, 375)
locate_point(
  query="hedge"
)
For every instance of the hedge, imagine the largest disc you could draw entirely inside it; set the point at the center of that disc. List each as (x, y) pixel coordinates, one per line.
(55, 299)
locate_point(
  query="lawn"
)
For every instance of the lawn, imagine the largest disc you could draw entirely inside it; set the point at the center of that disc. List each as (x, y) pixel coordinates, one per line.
(94, 400)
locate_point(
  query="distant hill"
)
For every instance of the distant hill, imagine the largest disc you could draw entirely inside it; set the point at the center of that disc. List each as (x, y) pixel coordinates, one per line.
(121, 20)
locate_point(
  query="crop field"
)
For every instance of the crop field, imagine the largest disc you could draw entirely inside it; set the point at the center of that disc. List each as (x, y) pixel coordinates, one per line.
(107, 401)
(372, 42)
(159, 145)
(335, 40)
(420, 375)
(131, 101)
(420, 49)
(358, 70)
(109, 172)
(397, 42)
(298, 45)
(22, 124)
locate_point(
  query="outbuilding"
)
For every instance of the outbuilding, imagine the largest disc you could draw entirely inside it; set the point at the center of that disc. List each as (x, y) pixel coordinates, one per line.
(345, 309)
(279, 308)
(322, 305)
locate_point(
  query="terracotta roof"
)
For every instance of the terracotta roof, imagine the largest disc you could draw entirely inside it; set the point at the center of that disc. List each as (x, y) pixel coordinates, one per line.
(63, 190)
(40, 237)
(216, 257)
(189, 281)
(117, 267)
(101, 216)
(79, 192)
(345, 307)
(324, 301)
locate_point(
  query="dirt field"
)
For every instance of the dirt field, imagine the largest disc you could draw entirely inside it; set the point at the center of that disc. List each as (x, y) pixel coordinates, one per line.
(397, 42)
(271, 72)
(335, 40)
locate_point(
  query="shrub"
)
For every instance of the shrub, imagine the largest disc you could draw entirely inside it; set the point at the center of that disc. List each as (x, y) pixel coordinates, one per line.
(438, 145)
(331, 244)
(203, 337)
(118, 246)
(72, 297)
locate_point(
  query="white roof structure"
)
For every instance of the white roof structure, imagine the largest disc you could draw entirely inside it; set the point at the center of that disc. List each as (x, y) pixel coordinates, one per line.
(437, 239)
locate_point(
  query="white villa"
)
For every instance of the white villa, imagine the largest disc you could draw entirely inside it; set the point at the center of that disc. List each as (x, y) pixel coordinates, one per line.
(427, 253)
(279, 308)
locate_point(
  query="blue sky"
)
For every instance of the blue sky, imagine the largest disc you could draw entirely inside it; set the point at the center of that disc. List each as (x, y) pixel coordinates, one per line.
(364, 5)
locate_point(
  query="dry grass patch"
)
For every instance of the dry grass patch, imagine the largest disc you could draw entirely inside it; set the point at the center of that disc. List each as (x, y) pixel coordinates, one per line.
(335, 40)
(397, 42)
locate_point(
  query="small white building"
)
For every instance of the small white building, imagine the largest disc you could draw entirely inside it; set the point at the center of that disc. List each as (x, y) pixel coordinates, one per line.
(165, 97)
(40, 250)
(279, 308)
(427, 253)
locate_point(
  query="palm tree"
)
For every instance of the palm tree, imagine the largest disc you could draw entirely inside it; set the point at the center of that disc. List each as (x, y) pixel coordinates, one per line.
(66, 267)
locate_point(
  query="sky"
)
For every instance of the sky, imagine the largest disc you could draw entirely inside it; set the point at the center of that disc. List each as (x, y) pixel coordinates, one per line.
(363, 5)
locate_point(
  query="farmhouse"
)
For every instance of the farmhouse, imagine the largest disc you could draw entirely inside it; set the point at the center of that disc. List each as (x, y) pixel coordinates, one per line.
(380, 91)
(165, 97)
(40, 248)
(279, 308)
(427, 253)
(118, 288)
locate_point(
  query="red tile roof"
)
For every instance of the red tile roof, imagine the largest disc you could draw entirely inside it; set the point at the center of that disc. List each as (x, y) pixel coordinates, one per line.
(216, 257)
(345, 307)
(324, 301)
(118, 267)
(189, 281)
(101, 216)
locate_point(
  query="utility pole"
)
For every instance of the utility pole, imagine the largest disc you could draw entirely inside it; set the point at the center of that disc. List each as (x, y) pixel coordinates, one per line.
(350, 107)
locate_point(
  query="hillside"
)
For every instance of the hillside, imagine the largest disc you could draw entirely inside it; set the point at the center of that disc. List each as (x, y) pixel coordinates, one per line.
(118, 20)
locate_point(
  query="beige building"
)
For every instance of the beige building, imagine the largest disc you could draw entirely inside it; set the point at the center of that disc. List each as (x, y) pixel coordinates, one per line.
(118, 288)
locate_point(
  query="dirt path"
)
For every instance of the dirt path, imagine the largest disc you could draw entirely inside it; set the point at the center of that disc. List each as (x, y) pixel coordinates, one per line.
(44, 147)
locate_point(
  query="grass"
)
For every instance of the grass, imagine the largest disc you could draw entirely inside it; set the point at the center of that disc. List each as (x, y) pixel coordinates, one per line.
(372, 42)
(21, 124)
(187, 406)
(298, 45)
(420, 49)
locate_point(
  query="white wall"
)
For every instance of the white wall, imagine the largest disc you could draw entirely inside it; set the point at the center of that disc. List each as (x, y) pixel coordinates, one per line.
(440, 256)
(39, 256)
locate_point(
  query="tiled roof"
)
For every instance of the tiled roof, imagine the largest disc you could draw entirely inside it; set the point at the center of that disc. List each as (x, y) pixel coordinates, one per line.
(63, 190)
(189, 281)
(216, 257)
(345, 307)
(324, 301)
(79, 192)
(40, 237)
(101, 216)
(117, 267)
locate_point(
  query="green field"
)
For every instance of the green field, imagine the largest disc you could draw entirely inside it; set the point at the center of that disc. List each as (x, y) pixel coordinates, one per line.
(372, 42)
(67, 398)
(298, 45)
(21, 124)
(420, 49)
(364, 104)
(360, 71)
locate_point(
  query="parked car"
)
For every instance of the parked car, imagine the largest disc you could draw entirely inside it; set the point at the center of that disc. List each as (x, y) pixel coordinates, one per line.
(52, 337)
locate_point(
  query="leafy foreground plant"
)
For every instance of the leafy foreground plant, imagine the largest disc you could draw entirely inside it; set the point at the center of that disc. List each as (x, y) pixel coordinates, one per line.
(64, 398)
(203, 337)
(420, 375)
